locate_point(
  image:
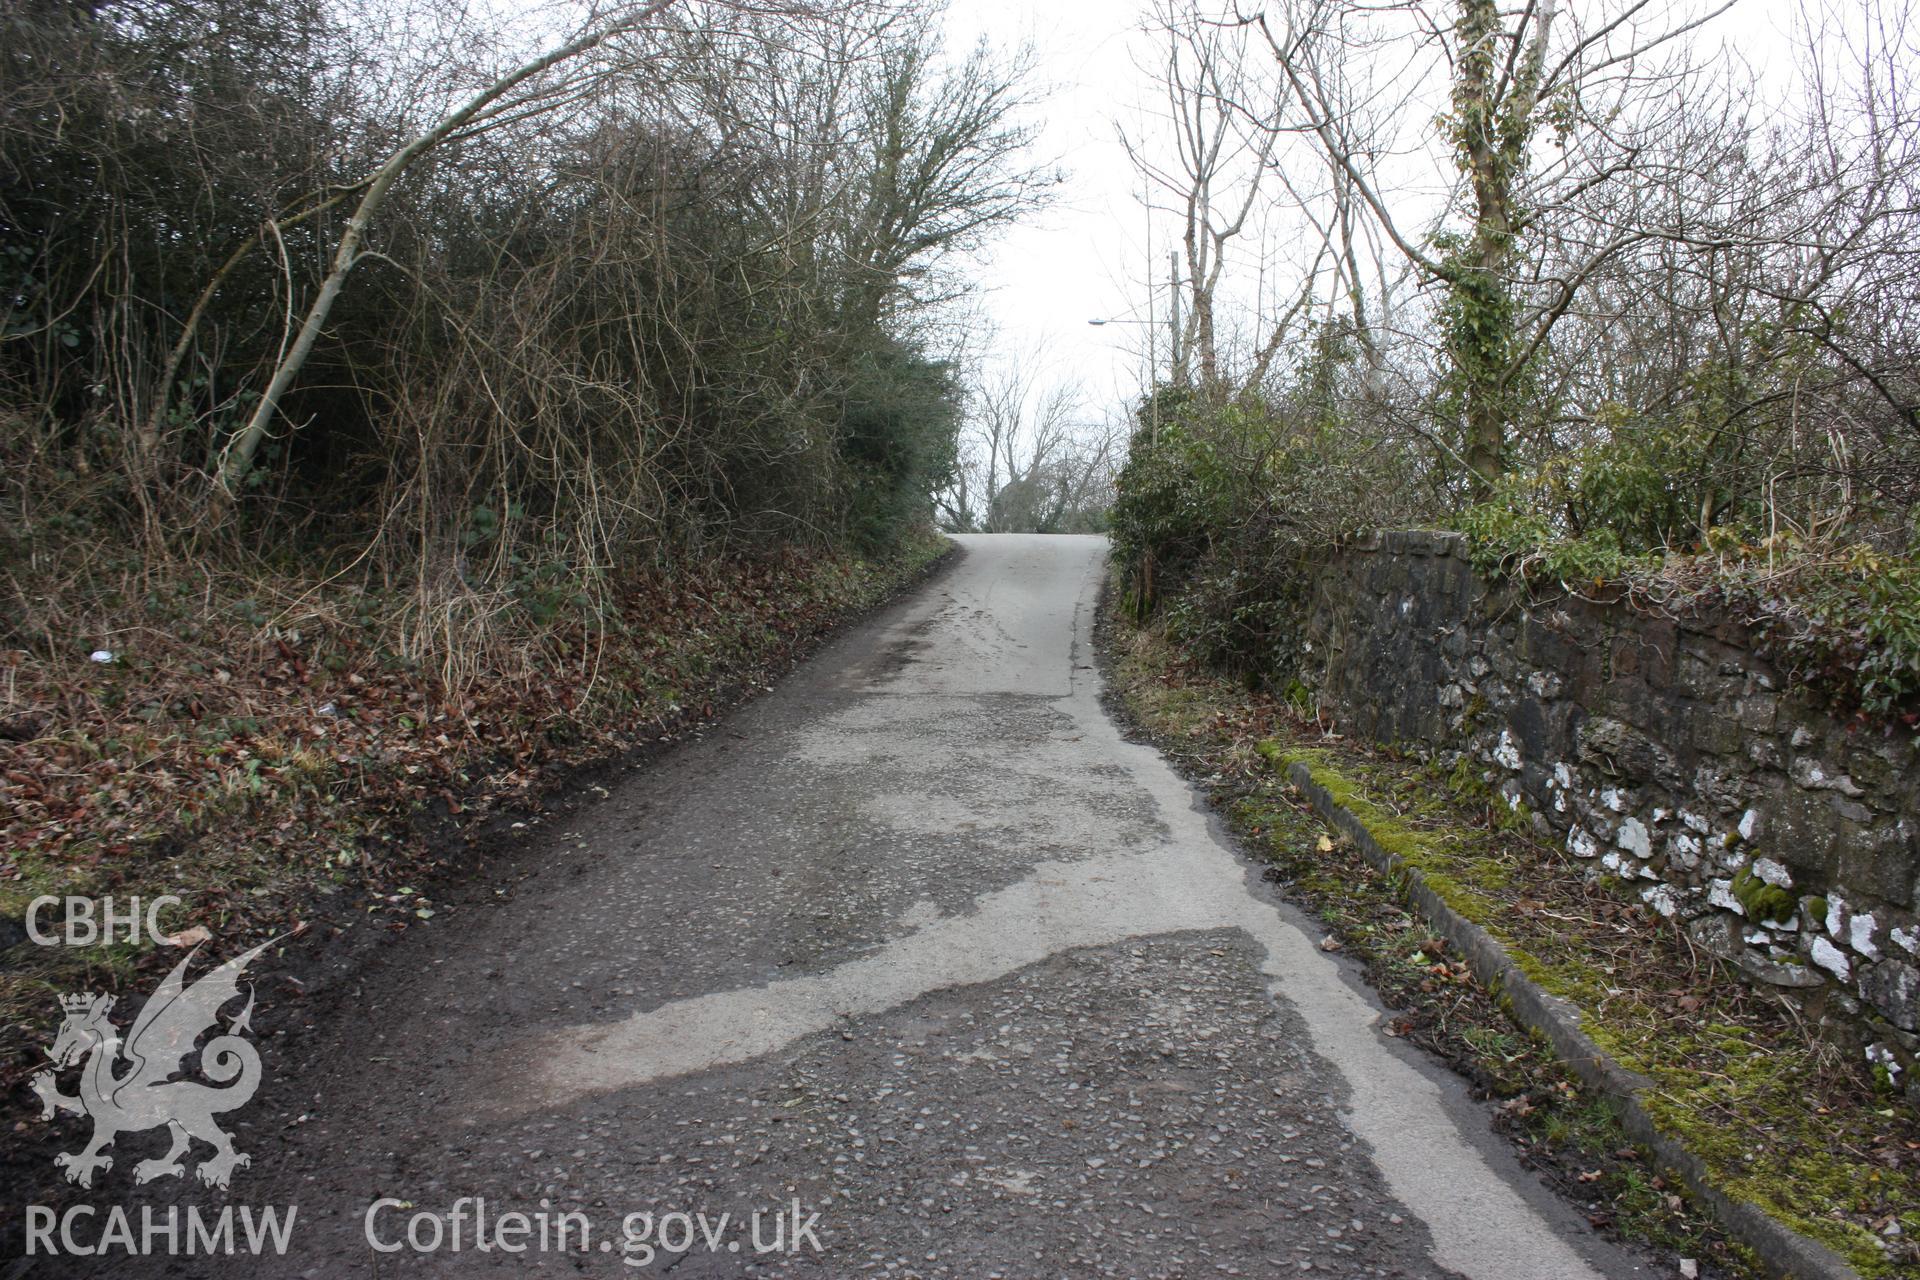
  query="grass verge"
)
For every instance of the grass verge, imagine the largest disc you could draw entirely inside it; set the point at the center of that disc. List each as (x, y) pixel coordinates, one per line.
(1783, 1122)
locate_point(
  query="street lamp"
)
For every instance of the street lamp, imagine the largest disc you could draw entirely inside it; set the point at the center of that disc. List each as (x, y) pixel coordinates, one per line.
(1153, 358)
(1153, 398)
(1149, 324)
(1174, 340)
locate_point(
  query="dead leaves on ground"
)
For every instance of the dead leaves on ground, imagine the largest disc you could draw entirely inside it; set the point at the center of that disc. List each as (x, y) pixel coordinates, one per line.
(238, 763)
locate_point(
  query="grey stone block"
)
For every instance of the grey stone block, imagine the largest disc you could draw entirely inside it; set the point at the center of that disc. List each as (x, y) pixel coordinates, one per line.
(1893, 987)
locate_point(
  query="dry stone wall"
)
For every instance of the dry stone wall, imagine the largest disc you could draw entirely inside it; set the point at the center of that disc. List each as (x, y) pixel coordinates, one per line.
(1661, 751)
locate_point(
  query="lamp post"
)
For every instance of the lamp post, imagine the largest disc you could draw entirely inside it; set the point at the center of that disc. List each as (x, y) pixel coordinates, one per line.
(1153, 360)
(1173, 340)
(1145, 596)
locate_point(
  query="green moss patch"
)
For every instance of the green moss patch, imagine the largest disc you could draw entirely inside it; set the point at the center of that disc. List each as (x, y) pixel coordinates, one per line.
(1763, 901)
(1736, 1080)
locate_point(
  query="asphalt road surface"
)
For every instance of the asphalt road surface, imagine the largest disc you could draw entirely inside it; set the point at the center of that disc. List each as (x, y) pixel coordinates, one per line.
(919, 944)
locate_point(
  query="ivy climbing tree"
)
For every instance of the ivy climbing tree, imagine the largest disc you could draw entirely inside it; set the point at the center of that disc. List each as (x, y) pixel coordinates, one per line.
(1539, 114)
(1496, 92)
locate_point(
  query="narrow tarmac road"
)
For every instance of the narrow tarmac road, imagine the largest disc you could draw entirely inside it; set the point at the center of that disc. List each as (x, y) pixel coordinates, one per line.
(919, 942)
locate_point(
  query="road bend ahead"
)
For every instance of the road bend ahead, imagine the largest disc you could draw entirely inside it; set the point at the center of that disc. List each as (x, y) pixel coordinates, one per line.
(920, 942)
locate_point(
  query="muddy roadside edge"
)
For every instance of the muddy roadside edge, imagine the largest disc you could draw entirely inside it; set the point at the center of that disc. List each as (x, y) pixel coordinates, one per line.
(312, 978)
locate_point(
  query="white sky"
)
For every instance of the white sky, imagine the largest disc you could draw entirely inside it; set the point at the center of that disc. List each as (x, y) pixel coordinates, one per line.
(1087, 257)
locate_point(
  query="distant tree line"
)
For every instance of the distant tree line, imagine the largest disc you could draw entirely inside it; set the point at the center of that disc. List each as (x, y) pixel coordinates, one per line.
(1030, 460)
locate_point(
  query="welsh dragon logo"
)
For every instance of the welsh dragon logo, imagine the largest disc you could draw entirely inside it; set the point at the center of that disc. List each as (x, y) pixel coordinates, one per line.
(129, 1087)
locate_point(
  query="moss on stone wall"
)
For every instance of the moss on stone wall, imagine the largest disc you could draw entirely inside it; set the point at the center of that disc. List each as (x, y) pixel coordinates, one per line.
(1737, 1100)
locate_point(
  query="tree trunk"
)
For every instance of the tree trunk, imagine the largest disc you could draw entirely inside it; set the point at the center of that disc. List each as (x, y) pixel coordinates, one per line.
(1493, 126)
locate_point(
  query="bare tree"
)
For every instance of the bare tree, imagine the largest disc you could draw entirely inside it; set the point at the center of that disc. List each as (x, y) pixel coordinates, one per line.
(1543, 109)
(1224, 161)
(1215, 173)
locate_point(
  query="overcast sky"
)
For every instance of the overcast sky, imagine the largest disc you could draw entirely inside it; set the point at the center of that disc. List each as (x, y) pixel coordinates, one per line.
(1087, 257)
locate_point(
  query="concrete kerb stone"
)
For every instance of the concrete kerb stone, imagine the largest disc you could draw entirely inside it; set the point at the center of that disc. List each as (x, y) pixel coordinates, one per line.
(1784, 1252)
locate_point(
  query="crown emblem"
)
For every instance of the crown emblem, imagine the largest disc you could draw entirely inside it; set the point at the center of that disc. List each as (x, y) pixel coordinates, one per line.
(78, 1002)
